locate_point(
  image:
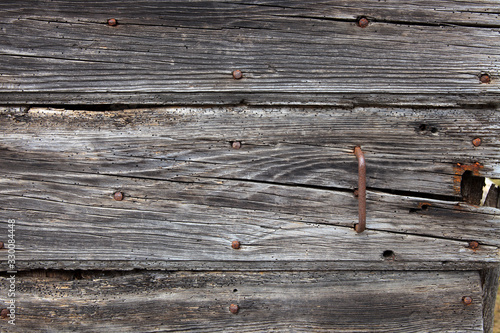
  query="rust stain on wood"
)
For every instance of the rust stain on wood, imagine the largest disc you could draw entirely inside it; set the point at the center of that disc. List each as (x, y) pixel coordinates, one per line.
(459, 170)
(424, 205)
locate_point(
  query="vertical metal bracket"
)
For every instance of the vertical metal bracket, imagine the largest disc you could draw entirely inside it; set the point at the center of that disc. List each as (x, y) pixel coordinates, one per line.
(361, 226)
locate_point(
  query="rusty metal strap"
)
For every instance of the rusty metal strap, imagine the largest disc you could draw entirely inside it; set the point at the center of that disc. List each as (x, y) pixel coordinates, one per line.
(361, 226)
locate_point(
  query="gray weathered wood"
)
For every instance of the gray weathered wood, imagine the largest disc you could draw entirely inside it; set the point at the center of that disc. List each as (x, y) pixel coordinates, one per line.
(269, 302)
(188, 194)
(174, 225)
(490, 281)
(414, 150)
(290, 52)
(286, 195)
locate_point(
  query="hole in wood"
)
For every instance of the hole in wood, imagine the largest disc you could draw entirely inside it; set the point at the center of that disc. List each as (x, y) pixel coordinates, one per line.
(427, 128)
(480, 191)
(388, 254)
(422, 207)
(471, 188)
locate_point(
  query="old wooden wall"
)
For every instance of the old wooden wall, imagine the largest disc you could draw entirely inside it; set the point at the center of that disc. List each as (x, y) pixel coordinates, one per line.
(149, 108)
(293, 52)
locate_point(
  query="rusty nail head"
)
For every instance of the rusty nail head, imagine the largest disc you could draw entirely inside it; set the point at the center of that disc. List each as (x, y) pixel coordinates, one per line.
(112, 22)
(1, 245)
(118, 196)
(476, 142)
(485, 78)
(234, 308)
(236, 145)
(467, 300)
(363, 22)
(473, 245)
(236, 245)
(237, 74)
(4, 313)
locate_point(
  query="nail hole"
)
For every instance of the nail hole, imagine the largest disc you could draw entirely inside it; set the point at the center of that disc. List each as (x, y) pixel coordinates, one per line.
(426, 127)
(388, 254)
(235, 290)
(421, 207)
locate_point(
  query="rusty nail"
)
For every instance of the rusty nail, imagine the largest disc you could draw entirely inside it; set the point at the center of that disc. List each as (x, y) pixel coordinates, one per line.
(112, 22)
(237, 74)
(360, 227)
(363, 22)
(485, 78)
(473, 245)
(236, 245)
(118, 196)
(236, 145)
(476, 142)
(4, 313)
(234, 308)
(467, 300)
(356, 193)
(1, 245)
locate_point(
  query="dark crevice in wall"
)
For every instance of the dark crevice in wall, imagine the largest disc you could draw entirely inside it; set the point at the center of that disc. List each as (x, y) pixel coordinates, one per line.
(396, 22)
(71, 275)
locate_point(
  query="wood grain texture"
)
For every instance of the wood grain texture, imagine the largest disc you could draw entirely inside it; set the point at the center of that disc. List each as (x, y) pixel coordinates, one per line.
(269, 302)
(490, 279)
(290, 52)
(413, 150)
(285, 195)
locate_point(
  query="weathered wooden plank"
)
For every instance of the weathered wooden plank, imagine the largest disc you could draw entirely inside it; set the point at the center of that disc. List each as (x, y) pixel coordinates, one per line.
(413, 150)
(306, 52)
(177, 225)
(490, 280)
(272, 301)
(188, 195)
(475, 13)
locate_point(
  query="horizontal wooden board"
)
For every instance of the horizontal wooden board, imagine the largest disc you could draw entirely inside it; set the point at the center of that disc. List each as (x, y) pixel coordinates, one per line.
(412, 150)
(192, 225)
(286, 194)
(290, 52)
(269, 302)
